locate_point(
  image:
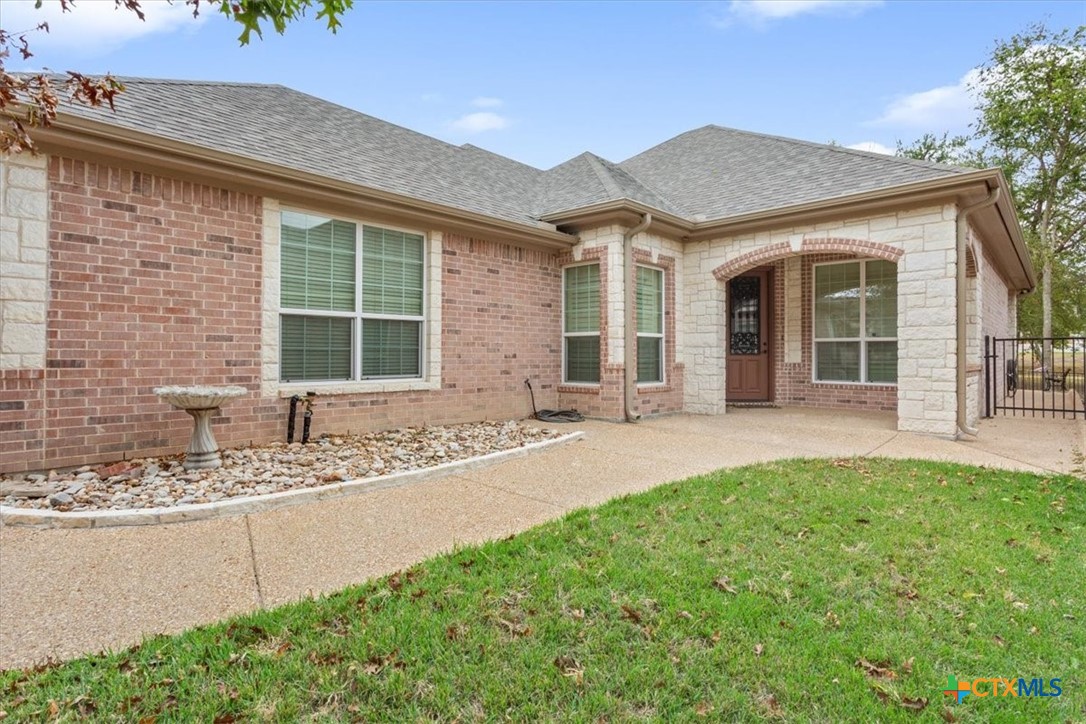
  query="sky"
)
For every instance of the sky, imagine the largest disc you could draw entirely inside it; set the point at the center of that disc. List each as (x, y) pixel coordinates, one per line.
(543, 82)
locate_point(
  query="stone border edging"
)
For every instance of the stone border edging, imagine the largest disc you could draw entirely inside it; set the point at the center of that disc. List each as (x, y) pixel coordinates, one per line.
(50, 519)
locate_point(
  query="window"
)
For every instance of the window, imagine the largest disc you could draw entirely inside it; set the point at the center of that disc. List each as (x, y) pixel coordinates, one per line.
(350, 308)
(650, 325)
(855, 322)
(581, 324)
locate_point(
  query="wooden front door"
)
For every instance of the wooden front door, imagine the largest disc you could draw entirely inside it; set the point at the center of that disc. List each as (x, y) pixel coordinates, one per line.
(749, 338)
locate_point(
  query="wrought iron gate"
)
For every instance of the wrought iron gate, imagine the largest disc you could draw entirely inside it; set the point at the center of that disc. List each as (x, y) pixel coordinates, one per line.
(1035, 376)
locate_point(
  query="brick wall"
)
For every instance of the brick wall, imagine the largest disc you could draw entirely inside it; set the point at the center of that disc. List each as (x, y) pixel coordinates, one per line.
(157, 281)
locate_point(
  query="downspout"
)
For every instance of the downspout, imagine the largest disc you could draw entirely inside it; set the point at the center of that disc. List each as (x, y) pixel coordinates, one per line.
(962, 233)
(629, 296)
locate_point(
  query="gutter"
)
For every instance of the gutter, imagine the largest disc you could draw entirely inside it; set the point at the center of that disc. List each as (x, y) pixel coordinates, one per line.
(961, 232)
(629, 299)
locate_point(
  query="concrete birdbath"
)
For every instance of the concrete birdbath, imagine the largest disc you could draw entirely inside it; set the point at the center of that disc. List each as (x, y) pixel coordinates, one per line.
(200, 402)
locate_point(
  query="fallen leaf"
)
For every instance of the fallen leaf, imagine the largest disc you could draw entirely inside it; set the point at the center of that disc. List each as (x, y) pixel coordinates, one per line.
(394, 581)
(948, 716)
(630, 614)
(453, 633)
(914, 704)
(570, 668)
(998, 640)
(725, 584)
(685, 615)
(715, 638)
(703, 709)
(758, 649)
(54, 709)
(225, 719)
(283, 648)
(772, 705)
(907, 665)
(879, 670)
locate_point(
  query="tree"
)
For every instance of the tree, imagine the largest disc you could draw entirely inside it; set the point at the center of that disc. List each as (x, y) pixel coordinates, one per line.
(1032, 103)
(31, 100)
(947, 149)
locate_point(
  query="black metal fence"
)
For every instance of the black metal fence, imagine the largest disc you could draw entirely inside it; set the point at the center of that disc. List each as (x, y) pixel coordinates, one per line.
(1035, 376)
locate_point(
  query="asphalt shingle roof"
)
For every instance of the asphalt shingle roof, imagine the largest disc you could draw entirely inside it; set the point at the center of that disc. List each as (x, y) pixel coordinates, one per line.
(715, 172)
(707, 173)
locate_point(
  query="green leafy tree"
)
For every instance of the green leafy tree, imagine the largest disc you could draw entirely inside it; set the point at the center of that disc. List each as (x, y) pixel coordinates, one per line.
(30, 100)
(1032, 103)
(951, 150)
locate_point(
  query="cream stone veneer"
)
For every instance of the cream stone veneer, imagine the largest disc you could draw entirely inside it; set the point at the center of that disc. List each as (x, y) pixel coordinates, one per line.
(270, 385)
(24, 261)
(926, 310)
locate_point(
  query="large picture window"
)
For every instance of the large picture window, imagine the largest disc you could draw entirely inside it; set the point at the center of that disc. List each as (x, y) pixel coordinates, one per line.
(650, 325)
(581, 324)
(351, 300)
(855, 322)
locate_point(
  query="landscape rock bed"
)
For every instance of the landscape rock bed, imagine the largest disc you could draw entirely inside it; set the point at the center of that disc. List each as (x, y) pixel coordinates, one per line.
(253, 471)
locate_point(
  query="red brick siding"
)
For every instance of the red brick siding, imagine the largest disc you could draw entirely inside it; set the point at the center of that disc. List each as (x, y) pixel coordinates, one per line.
(158, 281)
(793, 382)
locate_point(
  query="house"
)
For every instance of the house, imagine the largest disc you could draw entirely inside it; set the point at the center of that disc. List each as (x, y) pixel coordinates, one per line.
(222, 233)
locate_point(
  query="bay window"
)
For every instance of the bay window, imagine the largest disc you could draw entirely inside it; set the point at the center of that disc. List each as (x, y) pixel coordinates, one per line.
(581, 324)
(650, 325)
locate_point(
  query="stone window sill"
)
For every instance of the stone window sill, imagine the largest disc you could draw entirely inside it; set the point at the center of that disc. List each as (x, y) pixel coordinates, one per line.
(580, 389)
(287, 389)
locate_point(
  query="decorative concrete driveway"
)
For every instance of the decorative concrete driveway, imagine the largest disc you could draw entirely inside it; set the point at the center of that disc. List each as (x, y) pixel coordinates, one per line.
(68, 592)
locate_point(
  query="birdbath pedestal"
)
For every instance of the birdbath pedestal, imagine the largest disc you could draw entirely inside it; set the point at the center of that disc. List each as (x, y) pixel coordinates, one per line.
(200, 402)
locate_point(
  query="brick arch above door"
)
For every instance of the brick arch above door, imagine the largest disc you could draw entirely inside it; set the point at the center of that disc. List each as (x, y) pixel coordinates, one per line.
(816, 245)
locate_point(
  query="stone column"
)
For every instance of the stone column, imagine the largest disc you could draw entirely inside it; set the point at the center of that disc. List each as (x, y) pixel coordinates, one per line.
(927, 353)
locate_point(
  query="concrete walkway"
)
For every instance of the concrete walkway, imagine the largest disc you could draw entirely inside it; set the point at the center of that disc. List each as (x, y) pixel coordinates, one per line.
(69, 592)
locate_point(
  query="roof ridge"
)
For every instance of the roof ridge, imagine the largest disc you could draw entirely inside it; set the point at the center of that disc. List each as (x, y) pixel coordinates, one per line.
(609, 184)
(183, 81)
(473, 147)
(840, 149)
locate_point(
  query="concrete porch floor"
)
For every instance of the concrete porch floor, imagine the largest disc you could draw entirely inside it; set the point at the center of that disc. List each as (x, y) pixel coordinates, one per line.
(68, 592)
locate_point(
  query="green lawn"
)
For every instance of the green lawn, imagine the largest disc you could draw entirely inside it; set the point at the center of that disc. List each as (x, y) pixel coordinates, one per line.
(805, 590)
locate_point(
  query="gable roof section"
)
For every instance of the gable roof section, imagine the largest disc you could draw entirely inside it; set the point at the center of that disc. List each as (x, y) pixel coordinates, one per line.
(586, 180)
(284, 127)
(714, 172)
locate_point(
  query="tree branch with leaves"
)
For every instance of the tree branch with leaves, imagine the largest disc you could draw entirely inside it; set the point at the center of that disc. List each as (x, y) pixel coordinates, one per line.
(31, 100)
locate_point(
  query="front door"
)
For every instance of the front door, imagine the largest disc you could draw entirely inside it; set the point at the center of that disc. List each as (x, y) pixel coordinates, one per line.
(749, 337)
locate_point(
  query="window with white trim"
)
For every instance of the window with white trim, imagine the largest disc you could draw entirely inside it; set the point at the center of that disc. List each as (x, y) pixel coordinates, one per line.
(350, 308)
(855, 322)
(650, 325)
(581, 324)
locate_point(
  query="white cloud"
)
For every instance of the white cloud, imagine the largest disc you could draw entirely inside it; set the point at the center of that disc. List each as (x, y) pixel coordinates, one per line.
(945, 107)
(95, 27)
(485, 102)
(873, 147)
(759, 12)
(479, 122)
